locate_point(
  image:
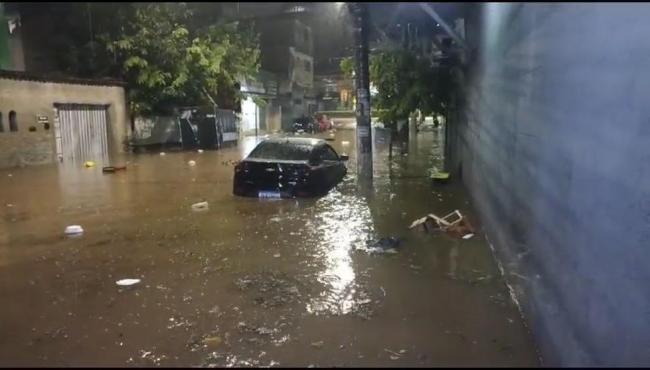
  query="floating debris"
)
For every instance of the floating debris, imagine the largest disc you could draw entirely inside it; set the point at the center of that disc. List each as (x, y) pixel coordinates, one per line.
(212, 342)
(127, 282)
(385, 245)
(265, 331)
(394, 355)
(191, 163)
(270, 289)
(111, 169)
(74, 230)
(453, 224)
(199, 207)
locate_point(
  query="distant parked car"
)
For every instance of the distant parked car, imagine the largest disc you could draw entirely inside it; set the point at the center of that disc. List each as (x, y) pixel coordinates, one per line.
(288, 168)
(304, 124)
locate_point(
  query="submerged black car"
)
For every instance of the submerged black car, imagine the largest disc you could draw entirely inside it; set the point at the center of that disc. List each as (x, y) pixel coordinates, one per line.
(289, 167)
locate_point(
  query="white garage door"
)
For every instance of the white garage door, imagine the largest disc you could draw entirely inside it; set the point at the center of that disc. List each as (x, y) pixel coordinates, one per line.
(81, 134)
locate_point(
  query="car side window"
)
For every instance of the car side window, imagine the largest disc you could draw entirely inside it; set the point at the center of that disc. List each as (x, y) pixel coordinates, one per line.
(316, 157)
(325, 153)
(328, 154)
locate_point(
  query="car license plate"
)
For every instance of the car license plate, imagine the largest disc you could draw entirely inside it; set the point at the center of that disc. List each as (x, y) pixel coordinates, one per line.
(268, 194)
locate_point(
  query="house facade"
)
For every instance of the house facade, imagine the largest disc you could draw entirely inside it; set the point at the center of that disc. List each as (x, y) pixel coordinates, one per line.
(46, 119)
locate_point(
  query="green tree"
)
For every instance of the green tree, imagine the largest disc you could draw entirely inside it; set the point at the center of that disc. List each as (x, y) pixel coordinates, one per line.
(347, 67)
(406, 82)
(169, 54)
(169, 60)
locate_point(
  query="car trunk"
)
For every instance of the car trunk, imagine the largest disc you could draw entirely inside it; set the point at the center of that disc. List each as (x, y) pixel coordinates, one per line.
(281, 176)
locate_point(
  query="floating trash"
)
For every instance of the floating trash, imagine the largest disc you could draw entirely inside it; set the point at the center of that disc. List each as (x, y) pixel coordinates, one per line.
(191, 163)
(74, 230)
(385, 245)
(212, 342)
(201, 206)
(127, 282)
(89, 164)
(111, 169)
(453, 224)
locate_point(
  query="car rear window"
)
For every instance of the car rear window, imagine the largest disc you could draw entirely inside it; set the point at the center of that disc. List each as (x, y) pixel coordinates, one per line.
(283, 151)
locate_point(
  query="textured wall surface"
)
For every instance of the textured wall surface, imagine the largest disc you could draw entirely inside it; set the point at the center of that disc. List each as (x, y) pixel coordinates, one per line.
(30, 99)
(554, 147)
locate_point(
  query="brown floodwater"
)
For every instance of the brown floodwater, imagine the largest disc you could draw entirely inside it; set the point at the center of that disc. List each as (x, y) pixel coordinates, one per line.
(248, 282)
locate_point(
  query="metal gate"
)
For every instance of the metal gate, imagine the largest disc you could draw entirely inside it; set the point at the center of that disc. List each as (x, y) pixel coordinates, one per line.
(227, 121)
(81, 133)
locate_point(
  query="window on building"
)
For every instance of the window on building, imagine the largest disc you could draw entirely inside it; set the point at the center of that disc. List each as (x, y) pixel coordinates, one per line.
(13, 125)
(2, 125)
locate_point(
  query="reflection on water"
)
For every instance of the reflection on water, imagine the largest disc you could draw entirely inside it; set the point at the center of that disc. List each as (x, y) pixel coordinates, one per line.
(453, 260)
(74, 179)
(308, 278)
(343, 222)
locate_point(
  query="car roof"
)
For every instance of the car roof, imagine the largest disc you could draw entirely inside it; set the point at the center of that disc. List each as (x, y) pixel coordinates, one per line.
(296, 141)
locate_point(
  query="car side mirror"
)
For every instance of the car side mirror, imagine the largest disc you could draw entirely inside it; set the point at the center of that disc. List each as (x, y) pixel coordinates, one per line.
(344, 157)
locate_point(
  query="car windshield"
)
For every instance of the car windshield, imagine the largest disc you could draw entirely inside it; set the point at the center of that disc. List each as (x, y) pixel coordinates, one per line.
(282, 151)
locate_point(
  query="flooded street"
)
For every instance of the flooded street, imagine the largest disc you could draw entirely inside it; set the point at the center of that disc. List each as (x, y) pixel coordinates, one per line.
(249, 281)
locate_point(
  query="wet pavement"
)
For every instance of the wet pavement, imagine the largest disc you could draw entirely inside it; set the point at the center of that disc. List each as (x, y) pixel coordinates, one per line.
(246, 282)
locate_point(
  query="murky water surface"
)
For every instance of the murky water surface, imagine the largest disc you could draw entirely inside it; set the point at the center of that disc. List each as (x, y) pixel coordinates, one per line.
(247, 282)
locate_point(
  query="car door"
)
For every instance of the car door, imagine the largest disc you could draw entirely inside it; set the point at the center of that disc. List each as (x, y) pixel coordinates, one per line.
(334, 168)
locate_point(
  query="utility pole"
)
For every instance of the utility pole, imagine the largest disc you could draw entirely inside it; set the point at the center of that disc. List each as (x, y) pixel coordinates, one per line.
(364, 130)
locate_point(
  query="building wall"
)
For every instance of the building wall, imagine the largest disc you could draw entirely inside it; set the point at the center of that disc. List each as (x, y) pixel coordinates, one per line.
(273, 117)
(249, 115)
(16, 50)
(31, 98)
(302, 69)
(285, 32)
(553, 148)
(287, 48)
